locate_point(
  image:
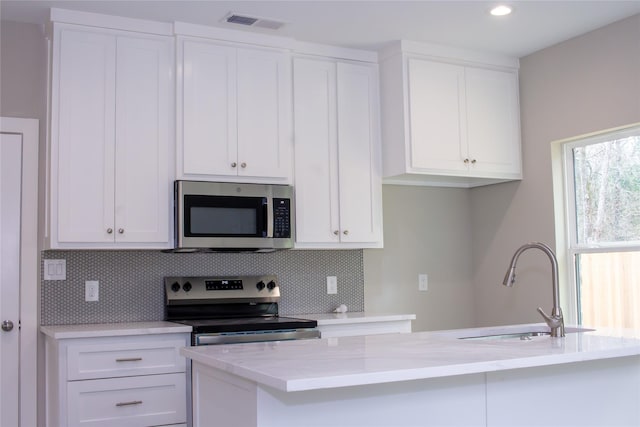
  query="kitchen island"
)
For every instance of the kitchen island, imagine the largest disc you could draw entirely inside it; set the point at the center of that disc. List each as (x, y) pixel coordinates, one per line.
(421, 379)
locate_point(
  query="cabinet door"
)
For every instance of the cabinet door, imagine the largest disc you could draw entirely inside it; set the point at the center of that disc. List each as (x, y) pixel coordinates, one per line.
(209, 136)
(83, 145)
(358, 154)
(437, 120)
(264, 123)
(316, 156)
(493, 121)
(143, 131)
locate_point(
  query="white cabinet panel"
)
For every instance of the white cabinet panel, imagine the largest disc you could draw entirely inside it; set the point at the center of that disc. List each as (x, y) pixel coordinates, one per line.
(358, 154)
(263, 105)
(84, 157)
(235, 112)
(209, 143)
(316, 154)
(143, 131)
(436, 100)
(337, 172)
(111, 139)
(493, 121)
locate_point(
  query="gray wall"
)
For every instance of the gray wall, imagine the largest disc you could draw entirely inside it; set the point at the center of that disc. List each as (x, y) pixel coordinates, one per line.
(585, 84)
(426, 230)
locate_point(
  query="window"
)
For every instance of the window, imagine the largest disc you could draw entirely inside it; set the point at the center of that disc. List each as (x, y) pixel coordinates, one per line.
(602, 227)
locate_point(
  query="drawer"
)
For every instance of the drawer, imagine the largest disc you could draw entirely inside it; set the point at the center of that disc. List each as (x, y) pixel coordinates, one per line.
(109, 358)
(128, 402)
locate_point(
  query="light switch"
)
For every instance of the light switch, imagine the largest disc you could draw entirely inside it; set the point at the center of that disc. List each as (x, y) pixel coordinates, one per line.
(55, 269)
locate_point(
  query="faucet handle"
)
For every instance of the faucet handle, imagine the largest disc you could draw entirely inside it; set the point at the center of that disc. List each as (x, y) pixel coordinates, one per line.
(555, 322)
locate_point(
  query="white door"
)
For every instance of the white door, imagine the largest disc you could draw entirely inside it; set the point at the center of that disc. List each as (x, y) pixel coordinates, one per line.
(10, 186)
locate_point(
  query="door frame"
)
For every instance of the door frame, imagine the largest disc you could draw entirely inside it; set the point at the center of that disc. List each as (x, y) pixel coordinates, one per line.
(29, 266)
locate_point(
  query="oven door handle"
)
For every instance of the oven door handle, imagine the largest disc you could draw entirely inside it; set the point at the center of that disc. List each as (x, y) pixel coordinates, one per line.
(297, 334)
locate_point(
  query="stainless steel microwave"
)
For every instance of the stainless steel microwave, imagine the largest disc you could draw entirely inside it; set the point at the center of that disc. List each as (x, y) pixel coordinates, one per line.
(223, 216)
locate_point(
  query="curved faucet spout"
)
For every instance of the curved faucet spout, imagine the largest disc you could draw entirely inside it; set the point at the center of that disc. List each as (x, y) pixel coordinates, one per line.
(555, 320)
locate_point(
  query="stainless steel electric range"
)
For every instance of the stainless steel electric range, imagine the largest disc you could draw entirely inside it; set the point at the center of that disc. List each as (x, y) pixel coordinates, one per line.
(232, 309)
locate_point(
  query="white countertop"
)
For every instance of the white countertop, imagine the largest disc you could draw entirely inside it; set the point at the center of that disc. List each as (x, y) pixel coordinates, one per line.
(324, 319)
(112, 329)
(351, 361)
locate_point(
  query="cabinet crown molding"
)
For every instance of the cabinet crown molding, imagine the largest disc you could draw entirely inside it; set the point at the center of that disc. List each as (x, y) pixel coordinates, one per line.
(110, 21)
(450, 54)
(230, 35)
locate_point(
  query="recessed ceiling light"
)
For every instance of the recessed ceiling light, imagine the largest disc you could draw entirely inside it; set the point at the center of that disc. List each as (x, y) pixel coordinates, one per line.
(501, 10)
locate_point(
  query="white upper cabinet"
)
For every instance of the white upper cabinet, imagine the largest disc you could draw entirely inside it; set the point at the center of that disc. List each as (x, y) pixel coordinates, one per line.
(110, 180)
(449, 122)
(234, 114)
(337, 154)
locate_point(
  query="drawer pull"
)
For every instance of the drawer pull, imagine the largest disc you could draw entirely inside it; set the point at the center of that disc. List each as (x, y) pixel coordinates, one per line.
(133, 402)
(129, 359)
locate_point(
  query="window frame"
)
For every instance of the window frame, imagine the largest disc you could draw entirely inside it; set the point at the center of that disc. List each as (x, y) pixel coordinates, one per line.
(567, 246)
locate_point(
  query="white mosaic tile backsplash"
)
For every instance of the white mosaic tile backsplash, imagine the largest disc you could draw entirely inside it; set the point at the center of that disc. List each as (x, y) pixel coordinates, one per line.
(131, 282)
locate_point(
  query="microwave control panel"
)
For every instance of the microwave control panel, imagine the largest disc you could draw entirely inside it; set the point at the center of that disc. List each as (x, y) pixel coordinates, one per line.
(281, 218)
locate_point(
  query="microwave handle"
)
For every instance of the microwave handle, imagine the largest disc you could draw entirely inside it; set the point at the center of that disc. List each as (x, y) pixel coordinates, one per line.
(267, 211)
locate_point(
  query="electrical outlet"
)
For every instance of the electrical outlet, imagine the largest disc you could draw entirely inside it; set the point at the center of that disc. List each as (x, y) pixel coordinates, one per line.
(423, 282)
(91, 290)
(332, 285)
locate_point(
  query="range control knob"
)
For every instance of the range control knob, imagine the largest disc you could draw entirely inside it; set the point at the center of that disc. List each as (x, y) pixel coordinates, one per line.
(271, 285)
(187, 286)
(175, 287)
(260, 285)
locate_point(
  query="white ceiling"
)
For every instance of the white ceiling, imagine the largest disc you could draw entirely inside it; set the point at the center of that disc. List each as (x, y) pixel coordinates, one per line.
(533, 25)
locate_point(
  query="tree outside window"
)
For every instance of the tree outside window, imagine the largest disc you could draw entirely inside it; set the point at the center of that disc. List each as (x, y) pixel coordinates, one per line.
(602, 190)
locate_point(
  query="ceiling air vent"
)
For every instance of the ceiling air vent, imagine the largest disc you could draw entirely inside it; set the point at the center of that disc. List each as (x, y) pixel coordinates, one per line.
(251, 21)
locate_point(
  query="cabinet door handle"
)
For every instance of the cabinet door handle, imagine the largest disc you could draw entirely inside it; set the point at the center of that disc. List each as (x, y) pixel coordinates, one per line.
(133, 402)
(466, 161)
(243, 165)
(109, 230)
(345, 232)
(473, 162)
(336, 232)
(129, 359)
(121, 230)
(234, 164)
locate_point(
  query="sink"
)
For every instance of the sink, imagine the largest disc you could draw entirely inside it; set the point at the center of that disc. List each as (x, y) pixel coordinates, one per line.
(521, 335)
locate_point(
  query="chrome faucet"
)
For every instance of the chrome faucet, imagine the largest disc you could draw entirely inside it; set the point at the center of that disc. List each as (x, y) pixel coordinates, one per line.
(555, 321)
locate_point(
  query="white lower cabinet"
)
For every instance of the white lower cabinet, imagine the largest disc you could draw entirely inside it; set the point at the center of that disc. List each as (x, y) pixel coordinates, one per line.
(129, 381)
(337, 154)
